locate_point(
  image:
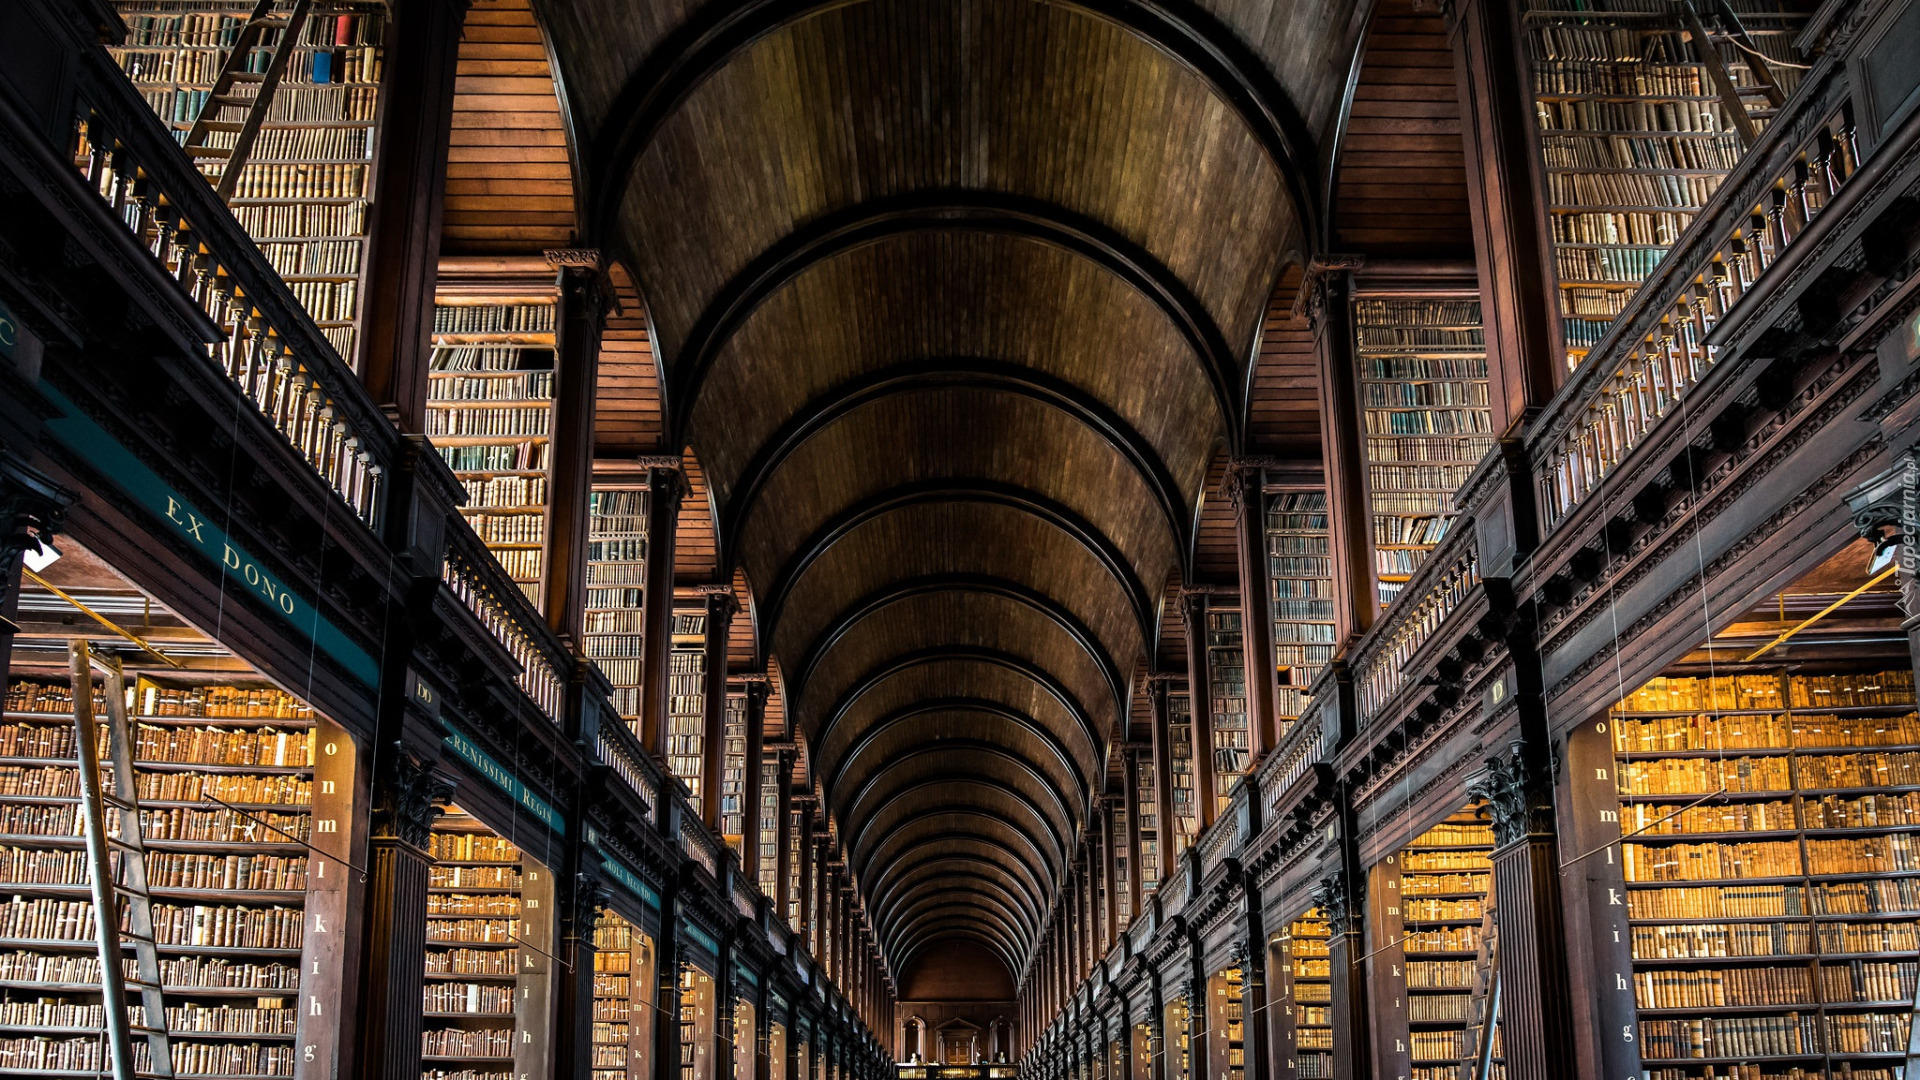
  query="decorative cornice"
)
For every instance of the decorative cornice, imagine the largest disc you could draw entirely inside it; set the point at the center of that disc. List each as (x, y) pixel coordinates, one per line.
(589, 258)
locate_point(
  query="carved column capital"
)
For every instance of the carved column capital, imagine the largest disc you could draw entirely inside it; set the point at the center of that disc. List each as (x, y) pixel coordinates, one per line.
(408, 799)
(722, 606)
(1331, 896)
(1193, 604)
(1512, 794)
(32, 510)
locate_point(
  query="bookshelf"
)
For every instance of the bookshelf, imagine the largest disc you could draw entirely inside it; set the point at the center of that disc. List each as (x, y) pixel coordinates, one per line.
(615, 991)
(613, 628)
(1633, 139)
(768, 822)
(1308, 1000)
(1423, 388)
(1227, 682)
(1300, 575)
(232, 885)
(733, 774)
(1186, 816)
(1226, 1037)
(796, 866)
(686, 699)
(1776, 923)
(1176, 1036)
(490, 414)
(302, 194)
(1122, 866)
(485, 995)
(1147, 806)
(745, 1038)
(696, 1024)
(1430, 944)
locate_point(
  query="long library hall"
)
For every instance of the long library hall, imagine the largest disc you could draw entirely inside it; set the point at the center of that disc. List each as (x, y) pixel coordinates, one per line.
(979, 540)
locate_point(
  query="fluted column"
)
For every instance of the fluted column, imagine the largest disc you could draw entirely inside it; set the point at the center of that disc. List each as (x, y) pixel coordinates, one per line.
(1246, 494)
(666, 489)
(722, 605)
(406, 800)
(1193, 608)
(1168, 829)
(585, 295)
(755, 721)
(1327, 294)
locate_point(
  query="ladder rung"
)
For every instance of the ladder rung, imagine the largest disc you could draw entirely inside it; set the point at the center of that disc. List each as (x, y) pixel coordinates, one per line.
(127, 844)
(118, 803)
(247, 76)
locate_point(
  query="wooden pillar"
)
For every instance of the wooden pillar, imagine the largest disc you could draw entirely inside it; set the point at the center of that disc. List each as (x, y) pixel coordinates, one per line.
(666, 489)
(573, 1001)
(1537, 1026)
(1328, 291)
(1110, 870)
(582, 315)
(1163, 777)
(755, 722)
(783, 839)
(1337, 897)
(406, 798)
(1193, 607)
(1512, 248)
(803, 874)
(721, 606)
(1135, 883)
(1246, 494)
(409, 197)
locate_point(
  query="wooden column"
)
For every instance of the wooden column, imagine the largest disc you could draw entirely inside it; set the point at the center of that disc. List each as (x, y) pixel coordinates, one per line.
(1162, 777)
(804, 875)
(755, 721)
(409, 197)
(721, 606)
(1328, 292)
(1537, 1025)
(1246, 493)
(582, 315)
(1136, 891)
(1337, 897)
(573, 999)
(783, 839)
(1193, 607)
(406, 798)
(1110, 871)
(1513, 250)
(666, 488)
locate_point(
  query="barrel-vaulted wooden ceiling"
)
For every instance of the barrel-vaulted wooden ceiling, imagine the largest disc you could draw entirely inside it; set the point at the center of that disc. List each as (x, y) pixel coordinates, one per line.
(955, 303)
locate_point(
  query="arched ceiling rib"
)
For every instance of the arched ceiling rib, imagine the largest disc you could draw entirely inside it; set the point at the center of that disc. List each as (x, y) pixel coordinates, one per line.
(956, 304)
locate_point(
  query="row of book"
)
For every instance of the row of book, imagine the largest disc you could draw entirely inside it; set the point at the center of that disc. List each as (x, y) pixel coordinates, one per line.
(1411, 395)
(287, 180)
(505, 491)
(1465, 420)
(1895, 896)
(1398, 561)
(303, 220)
(533, 385)
(1606, 79)
(327, 301)
(313, 258)
(1445, 478)
(489, 421)
(1716, 987)
(458, 903)
(459, 1042)
(498, 357)
(1794, 1034)
(470, 962)
(1389, 367)
(513, 457)
(453, 997)
(1630, 189)
(1441, 860)
(1593, 302)
(1661, 227)
(493, 318)
(508, 528)
(1604, 151)
(342, 143)
(1444, 939)
(1625, 266)
(165, 870)
(1645, 114)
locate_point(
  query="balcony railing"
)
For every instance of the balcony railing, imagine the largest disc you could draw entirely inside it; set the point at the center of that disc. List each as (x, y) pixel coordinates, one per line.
(1658, 348)
(1290, 761)
(270, 349)
(494, 599)
(1449, 574)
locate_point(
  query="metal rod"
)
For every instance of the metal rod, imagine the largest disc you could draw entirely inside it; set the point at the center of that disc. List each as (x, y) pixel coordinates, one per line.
(232, 809)
(1821, 614)
(103, 620)
(1648, 825)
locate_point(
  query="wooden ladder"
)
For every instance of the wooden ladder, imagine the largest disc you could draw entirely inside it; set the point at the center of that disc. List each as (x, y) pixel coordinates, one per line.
(123, 893)
(1738, 99)
(1483, 1003)
(226, 94)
